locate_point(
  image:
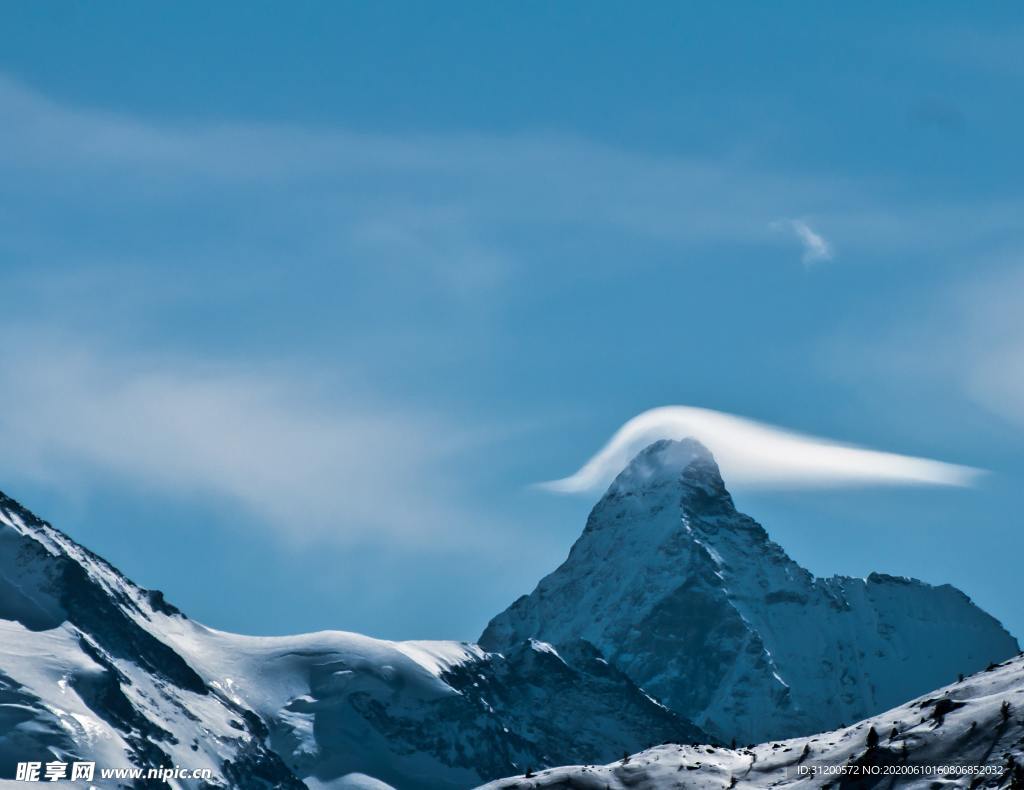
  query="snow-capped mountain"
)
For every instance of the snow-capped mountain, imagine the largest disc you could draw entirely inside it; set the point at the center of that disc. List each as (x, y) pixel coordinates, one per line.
(671, 608)
(694, 602)
(92, 667)
(966, 735)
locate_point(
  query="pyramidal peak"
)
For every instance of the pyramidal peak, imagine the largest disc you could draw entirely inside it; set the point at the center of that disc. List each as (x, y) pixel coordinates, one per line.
(695, 603)
(661, 492)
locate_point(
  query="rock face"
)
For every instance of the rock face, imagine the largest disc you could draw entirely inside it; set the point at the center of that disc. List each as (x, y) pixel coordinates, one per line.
(694, 602)
(93, 667)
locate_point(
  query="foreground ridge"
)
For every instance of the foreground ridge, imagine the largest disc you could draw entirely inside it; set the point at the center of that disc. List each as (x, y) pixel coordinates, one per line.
(967, 734)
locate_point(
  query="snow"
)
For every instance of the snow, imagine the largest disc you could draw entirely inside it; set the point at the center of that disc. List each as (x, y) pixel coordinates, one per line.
(304, 685)
(546, 647)
(354, 781)
(63, 721)
(440, 657)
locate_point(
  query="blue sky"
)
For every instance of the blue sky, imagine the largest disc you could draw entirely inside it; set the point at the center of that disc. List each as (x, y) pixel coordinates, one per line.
(300, 301)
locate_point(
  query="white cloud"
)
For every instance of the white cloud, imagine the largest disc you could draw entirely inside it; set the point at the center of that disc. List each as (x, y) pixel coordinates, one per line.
(756, 454)
(347, 471)
(816, 247)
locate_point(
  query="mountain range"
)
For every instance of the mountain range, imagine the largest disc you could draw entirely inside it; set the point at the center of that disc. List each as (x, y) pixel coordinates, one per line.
(675, 619)
(94, 667)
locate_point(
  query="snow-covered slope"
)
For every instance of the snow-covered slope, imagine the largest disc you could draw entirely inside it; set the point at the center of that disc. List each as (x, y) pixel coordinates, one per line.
(424, 714)
(93, 667)
(694, 602)
(82, 676)
(968, 734)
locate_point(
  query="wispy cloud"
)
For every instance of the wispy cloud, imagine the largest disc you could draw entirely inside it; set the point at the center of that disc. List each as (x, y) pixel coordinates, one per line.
(815, 247)
(443, 211)
(959, 344)
(984, 346)
(305, 467)
(756, 454)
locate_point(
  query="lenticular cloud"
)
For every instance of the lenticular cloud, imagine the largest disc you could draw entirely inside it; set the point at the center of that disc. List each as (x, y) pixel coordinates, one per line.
(756, 454)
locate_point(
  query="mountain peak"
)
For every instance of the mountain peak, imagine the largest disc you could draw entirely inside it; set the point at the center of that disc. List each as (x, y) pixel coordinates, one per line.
(693, 601)
(664, 462)
(671, 465)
